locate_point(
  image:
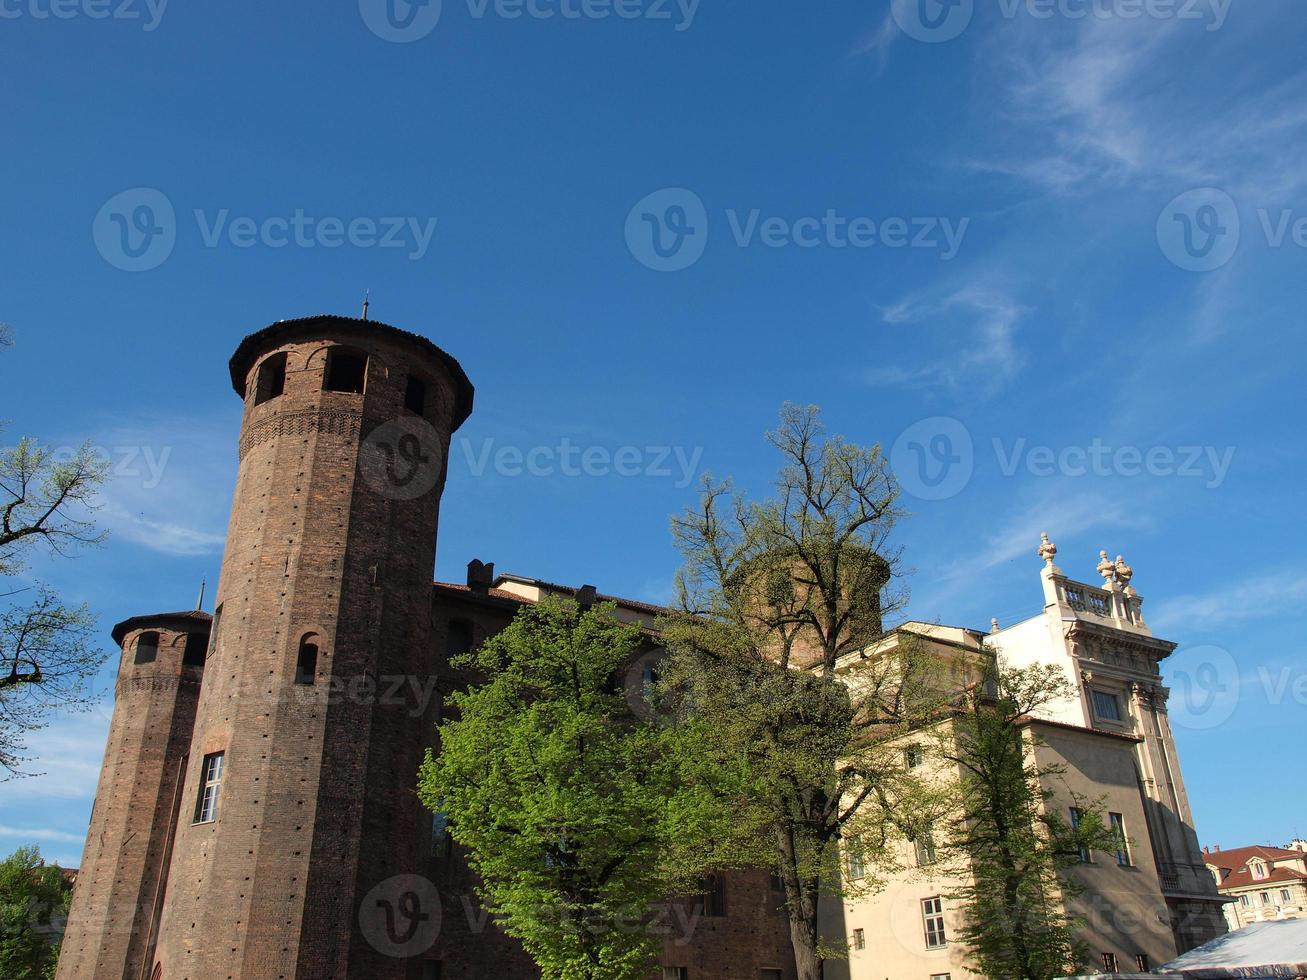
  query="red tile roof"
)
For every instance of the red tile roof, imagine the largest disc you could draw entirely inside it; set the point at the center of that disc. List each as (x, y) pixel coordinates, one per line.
(1235, 873)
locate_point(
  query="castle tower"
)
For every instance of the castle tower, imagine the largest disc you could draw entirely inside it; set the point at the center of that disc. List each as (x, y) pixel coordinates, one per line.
(299, 798)
(113, 921)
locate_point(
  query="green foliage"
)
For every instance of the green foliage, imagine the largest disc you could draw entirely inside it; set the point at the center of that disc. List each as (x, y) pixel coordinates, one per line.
(575, 812)
(33, 906)
(772, 596)
(1019, 848)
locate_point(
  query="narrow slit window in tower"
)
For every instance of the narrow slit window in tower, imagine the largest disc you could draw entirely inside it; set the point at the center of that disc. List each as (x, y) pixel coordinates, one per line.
(306, 664)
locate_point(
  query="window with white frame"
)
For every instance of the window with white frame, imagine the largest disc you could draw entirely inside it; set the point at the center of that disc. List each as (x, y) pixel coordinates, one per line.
(1109, 963)
(1259, 870)
(859, 939)
(206, 807)
(913, 757)
(924, 843)
(1076, 816)
(1244, 900)
(857, 868)
(1285, 895)
(1107, 706)
(1122, 841)
(932, 914)
(941, 976)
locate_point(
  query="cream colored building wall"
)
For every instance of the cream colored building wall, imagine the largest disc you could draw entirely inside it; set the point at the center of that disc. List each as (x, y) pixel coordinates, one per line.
(891, 917)
(1123, 907)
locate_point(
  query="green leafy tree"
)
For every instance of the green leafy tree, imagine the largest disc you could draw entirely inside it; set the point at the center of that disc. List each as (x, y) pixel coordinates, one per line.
(33, 907)
(1019, 849)
(573, 809)
(773, 596)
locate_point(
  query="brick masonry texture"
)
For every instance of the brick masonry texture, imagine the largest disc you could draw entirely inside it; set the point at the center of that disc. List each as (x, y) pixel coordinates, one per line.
(318, 813)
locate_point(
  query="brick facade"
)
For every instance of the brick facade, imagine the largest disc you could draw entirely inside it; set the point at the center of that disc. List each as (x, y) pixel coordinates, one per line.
(112, 923)
(317, 860)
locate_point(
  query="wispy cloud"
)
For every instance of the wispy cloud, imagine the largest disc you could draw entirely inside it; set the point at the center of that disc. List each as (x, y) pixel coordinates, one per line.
(1100, 105)
(170, 482)
(974, 331)
(40, 834)
(1064, 514)
(1256, 597)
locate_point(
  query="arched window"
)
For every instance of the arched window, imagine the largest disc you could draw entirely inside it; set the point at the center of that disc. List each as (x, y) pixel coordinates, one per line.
(458, 638)
(158, 972)
(193, 652)
(147, 648)
(306, 662)
(271, 382)
(415, 395)
(346, 370)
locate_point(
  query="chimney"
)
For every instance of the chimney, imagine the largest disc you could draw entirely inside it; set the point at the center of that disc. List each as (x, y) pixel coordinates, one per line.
(587, 596)
(480, 576)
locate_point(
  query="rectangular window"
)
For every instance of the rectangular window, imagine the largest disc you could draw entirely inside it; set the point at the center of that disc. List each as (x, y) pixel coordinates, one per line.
(441, 842)
(1141, 961)
(271, 381)
(147, 648)
(1122, 841)
(1107, 706)
(206, 807)
(676, 973)
(213, 631)
(714, 897)
(857, 868)
(193, 652)
(346, 371)
(772, 975)
(415, 396)
(1109, 963)
(432, 970)
(1266, 898)
(1285, 896)
(1243, 900)
(941, 976)
(932, 914)
(925, 845)
(913, 756)
(1076, 816)
(859, 939)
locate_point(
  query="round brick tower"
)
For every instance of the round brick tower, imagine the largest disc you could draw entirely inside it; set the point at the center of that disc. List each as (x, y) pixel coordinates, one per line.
(113, 921)
(299, 801)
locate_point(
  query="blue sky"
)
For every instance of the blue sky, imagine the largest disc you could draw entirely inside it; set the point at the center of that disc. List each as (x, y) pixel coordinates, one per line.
(1055, 262)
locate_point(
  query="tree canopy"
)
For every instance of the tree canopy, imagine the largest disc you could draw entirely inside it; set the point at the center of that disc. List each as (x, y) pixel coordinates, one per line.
(574, 811)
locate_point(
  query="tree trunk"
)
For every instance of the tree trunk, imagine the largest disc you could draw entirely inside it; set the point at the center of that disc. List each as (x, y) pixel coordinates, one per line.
(801, 905)
(803, 937)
